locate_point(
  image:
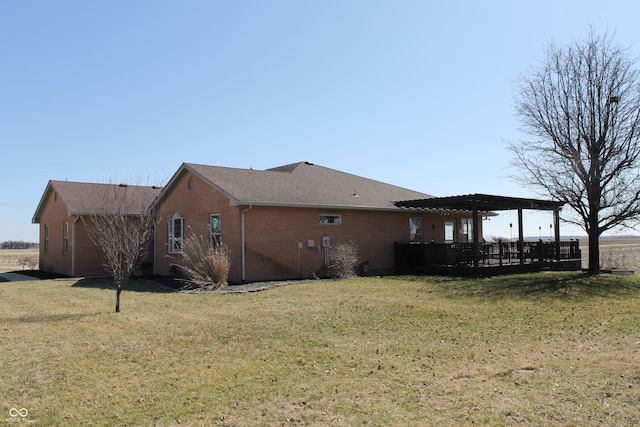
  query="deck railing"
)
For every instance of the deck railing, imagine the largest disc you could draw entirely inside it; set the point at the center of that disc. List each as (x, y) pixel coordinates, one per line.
(500, 253)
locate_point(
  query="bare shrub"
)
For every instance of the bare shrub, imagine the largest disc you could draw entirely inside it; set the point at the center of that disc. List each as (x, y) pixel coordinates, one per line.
(203, 265)
(346, 260)
(27, 261)
(613, 259)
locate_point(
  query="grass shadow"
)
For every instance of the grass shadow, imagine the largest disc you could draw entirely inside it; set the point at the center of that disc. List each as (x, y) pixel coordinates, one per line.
(49, 318)
(134, 285)
(542, 285)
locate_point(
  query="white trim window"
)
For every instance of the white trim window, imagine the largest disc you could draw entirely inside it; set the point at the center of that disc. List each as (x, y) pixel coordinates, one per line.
(415, 229)
(214, 230)
(330, 219)
(449, 231)
(467, 230)
(46, 238)
(65, 237)
(176, 234)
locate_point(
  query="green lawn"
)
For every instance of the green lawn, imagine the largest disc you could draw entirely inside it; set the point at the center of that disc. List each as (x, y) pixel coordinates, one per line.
(541, 349)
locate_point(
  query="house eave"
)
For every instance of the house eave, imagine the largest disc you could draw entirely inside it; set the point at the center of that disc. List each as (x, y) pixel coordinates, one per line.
(329, 207)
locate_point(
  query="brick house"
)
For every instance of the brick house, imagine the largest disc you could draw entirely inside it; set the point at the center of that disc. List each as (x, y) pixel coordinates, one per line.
(278, 223)
(281, 223)
(65, 246)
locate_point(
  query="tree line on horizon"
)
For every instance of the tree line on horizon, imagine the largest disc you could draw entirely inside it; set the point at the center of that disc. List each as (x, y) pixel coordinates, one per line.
(18, 244)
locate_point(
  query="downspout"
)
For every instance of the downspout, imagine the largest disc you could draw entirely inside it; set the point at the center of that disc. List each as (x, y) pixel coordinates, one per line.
(155, 250)
(73, 246)
(243, 243)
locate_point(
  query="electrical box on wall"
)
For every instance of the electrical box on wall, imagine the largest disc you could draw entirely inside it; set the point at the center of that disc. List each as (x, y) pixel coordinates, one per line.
(311, 243)
(326, 241)
(299, 245)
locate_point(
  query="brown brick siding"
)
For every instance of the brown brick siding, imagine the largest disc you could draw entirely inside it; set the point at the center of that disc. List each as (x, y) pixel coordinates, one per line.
(196, 206)
(82, 255)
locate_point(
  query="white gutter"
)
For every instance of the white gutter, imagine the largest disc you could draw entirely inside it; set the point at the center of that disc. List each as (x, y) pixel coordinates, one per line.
(73, 246)
(243, 243)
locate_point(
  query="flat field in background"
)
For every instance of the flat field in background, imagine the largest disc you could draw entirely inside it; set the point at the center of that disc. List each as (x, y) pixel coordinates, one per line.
(10, 259)
(622, 253)
(539, 349)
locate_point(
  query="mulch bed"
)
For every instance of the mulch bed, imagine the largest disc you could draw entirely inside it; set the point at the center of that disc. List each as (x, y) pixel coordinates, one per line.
(172, 283)
(38, 274)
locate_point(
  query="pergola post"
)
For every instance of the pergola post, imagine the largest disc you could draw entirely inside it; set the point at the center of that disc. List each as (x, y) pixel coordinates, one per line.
(556, 226)
(520, 236)
(476, 238)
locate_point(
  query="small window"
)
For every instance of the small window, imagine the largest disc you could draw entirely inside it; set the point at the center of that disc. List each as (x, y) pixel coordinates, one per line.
(330, 219)
(214, 227)
(449, 231)
(65, 237)
(176, 234)
(190, 184)
(46, 238)
(415, 229)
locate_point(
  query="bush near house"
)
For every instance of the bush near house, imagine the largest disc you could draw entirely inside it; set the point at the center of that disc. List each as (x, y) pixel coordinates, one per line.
(203, 265)
(345, 260)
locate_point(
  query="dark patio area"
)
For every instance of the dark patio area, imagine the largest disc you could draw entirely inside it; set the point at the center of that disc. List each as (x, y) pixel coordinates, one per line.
(493, 258)
(480, 258)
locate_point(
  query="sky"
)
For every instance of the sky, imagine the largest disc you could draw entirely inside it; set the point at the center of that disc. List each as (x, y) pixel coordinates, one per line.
(417, 94)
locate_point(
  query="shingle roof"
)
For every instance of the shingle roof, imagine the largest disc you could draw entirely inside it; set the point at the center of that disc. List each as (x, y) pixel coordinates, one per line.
(83, 198)
(301, 184)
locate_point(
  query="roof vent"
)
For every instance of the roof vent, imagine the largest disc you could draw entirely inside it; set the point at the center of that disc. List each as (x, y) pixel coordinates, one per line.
(124, 185)
(308, 163)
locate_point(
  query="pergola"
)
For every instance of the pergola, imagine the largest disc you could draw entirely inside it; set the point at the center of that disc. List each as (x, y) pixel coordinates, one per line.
(478, 203)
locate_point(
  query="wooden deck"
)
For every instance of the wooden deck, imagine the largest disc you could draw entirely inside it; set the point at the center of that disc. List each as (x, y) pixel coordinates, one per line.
(493, 258)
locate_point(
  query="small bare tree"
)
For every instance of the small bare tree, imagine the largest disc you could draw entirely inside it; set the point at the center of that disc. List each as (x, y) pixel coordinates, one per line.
(346, 260)
(581, 108)
(27, 260)
(205, 263)
(122, 225)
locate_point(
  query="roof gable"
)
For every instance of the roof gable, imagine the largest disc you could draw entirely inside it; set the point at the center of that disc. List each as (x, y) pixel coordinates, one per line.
(301, 184)
(82, 198)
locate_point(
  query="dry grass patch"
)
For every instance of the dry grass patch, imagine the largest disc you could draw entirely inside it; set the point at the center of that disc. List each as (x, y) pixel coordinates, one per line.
(542, 349)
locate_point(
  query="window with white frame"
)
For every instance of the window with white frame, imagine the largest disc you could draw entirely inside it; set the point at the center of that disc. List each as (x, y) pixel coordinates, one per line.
(214, 229)
(65, 237)
(415, 229)
(330, 219)
(46, 238)
(176, 234)
(449, 231)
(467, 230)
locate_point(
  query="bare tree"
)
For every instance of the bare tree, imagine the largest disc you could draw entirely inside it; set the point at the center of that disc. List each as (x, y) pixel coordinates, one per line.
(122, 225)
(27, 260)
(582, 107)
